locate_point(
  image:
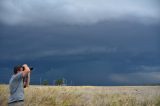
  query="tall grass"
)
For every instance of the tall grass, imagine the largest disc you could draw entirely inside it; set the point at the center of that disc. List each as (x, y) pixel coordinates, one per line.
(87, 96)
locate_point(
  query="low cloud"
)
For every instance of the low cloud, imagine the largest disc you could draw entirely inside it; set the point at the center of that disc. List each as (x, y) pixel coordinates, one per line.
(136, 78)
(60, 52)
(144, 68)
(72, 12)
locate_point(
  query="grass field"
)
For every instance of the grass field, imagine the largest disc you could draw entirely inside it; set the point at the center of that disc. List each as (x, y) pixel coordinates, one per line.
(87, 95)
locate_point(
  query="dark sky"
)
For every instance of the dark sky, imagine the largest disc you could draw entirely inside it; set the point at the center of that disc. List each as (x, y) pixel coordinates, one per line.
(105, 42)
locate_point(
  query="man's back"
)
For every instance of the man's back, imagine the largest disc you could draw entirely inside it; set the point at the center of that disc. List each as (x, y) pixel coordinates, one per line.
(16, 88)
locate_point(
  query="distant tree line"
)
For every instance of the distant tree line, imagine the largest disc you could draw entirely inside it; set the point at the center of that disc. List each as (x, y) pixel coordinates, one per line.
(58, 82)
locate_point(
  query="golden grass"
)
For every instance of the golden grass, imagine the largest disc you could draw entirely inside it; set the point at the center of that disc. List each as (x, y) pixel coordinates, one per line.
(87, 96)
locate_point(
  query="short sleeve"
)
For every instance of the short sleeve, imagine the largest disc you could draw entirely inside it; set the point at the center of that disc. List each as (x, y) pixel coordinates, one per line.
(15, 81)
(19, 76)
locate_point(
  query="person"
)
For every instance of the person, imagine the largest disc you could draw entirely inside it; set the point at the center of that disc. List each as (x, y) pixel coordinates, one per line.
(16, 85)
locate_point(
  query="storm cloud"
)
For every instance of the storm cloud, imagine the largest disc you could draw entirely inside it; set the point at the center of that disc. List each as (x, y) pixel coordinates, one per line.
(71, 12)
(98, 42)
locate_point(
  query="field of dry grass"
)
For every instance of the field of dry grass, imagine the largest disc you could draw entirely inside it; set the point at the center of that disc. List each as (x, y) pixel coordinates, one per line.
(87, 96)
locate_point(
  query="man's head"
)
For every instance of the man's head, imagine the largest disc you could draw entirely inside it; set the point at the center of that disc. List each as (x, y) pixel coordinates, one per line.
(17, 69)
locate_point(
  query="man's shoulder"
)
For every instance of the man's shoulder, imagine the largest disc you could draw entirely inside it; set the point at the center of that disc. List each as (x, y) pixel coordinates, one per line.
(18, 76)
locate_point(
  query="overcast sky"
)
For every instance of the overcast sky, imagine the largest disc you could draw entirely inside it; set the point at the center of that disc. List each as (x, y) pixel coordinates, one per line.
(94, 42)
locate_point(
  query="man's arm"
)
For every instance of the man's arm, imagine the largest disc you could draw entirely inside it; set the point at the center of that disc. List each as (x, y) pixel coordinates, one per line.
(26, 70)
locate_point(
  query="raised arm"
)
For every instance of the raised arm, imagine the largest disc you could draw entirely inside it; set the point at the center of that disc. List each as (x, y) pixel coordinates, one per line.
(26, 70)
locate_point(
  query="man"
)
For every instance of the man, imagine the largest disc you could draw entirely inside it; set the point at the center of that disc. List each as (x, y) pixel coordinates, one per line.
(16, 85)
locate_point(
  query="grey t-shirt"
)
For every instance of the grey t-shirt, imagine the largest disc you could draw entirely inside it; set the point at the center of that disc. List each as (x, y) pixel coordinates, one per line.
(16, 88)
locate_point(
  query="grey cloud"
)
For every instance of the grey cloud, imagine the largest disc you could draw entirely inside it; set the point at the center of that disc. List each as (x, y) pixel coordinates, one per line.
(136, 78)
(124, 50)
(39, 12)
(144, 68)
(59, 52)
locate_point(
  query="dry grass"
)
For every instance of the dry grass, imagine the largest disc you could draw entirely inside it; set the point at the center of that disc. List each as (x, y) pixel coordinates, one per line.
(87, 96)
